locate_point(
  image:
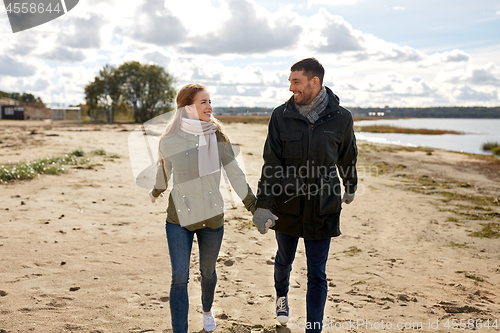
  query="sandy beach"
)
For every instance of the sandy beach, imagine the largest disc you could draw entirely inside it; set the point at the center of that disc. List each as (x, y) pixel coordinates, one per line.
(85, 251)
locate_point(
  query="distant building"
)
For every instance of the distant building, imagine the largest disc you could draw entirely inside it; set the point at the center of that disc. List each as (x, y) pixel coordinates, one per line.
(376, 114)
(12, 109)
(36, 113)
(12, 112)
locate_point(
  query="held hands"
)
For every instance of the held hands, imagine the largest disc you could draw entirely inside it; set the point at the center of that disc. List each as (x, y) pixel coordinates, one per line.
(151, 196)
(348, 198)
(263, 219)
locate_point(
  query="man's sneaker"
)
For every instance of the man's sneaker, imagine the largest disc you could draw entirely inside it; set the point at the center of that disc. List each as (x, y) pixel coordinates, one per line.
(209, 322)
(282, 311)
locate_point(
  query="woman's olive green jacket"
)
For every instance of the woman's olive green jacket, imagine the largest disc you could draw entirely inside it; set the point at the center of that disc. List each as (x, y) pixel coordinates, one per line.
(196, 202)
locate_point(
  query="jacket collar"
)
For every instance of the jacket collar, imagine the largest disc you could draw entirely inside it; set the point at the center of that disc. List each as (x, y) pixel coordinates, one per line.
(333, 107)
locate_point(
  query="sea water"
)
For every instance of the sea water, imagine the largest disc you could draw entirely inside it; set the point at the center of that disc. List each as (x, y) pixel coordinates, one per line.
(475, 133)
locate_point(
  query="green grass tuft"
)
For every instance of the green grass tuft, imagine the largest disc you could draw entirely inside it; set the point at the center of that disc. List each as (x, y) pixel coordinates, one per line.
(50, 166)
(490, 230)
(488, 146)
(460, 246)
(353, 250)
(473, 277)
(77, 153)
(99, 152)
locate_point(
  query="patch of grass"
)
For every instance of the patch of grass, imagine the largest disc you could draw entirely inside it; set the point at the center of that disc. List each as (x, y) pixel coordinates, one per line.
(473, 277)
(77, 153)
(488, 146)
(484, 209)
(393, 129)
(490, 230)
(452, 219)
(359, 282)
(366, 147)
(384, 167)
(50, 165)
(460, 246)
(99, 152)
(496, 151)
(353, 250)
(470, 276)
(474, 199)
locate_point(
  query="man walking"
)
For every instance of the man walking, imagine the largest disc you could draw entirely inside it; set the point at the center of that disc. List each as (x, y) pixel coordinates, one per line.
(299, 194)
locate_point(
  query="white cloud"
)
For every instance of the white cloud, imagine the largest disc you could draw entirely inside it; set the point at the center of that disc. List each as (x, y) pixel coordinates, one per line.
(332, 34)
(64, 54)
(484, 75)
(158, 58)
(398, 8)
(82, 32)
(449, 57)
(12, 67)
(242, 52)
(333, 2)
(155, 24)
(488, 74)
(38, 85)
(248, 30)
(24, 44)
(469, 94)
(398, 53)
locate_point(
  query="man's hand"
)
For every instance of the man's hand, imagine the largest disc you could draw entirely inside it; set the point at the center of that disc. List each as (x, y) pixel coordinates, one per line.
(151, 196)
(348, 198)
(263, 219)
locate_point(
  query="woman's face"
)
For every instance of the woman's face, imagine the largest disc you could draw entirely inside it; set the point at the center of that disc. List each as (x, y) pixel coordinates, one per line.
(203, 106)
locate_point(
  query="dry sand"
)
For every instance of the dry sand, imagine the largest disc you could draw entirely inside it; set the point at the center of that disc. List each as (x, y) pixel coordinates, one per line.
(86, 251)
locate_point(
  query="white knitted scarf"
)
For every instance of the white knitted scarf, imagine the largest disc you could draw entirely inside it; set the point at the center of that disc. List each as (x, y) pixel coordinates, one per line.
(208, 154)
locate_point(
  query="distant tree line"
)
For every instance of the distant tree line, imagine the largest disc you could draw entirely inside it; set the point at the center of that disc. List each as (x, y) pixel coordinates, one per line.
(241, 110)
(145, 90)
(432, 112)
(23, 98)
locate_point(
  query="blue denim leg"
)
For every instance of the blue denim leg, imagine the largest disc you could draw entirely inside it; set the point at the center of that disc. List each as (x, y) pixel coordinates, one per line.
(209, 242)
(180, 241)
(287, 245)
(317, 287)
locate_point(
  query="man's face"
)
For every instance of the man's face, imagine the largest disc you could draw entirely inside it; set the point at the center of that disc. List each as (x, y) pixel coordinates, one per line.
(301, 87)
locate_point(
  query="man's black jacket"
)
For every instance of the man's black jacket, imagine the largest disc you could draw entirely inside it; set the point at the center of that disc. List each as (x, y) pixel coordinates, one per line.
(299, 181)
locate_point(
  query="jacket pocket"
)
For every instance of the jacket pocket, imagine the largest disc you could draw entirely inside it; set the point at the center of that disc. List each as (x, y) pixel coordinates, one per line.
(292, 145)
(329, 195)
(287, 198)
(333, 141)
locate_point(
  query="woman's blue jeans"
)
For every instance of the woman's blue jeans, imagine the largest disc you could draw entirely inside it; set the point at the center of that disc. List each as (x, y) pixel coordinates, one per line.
(180, 242)
(317, 288)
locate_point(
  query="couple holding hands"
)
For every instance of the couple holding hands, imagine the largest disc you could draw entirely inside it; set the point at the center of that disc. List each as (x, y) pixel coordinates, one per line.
(310, 142)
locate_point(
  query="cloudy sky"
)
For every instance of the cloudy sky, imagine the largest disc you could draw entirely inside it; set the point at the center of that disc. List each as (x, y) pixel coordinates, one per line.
(376, 52)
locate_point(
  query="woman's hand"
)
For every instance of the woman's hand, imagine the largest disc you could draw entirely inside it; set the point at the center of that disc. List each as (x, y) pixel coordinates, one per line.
(151, 196)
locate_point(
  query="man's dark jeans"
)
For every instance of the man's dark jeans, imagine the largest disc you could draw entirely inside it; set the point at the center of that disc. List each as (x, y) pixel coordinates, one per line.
(317, 255)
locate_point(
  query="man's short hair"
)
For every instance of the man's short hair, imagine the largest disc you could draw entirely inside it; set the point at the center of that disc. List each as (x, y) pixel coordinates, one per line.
(311, 68)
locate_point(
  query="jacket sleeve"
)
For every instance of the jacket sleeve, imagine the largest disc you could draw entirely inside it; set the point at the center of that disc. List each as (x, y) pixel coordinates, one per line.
(273, 165)
(348, 153)
(162, 174)
(237, 177)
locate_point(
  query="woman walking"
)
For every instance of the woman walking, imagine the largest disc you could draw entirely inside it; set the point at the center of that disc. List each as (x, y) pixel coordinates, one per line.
(192, 151)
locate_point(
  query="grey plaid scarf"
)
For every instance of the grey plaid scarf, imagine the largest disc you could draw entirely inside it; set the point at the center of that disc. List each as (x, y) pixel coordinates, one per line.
(313, 110)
